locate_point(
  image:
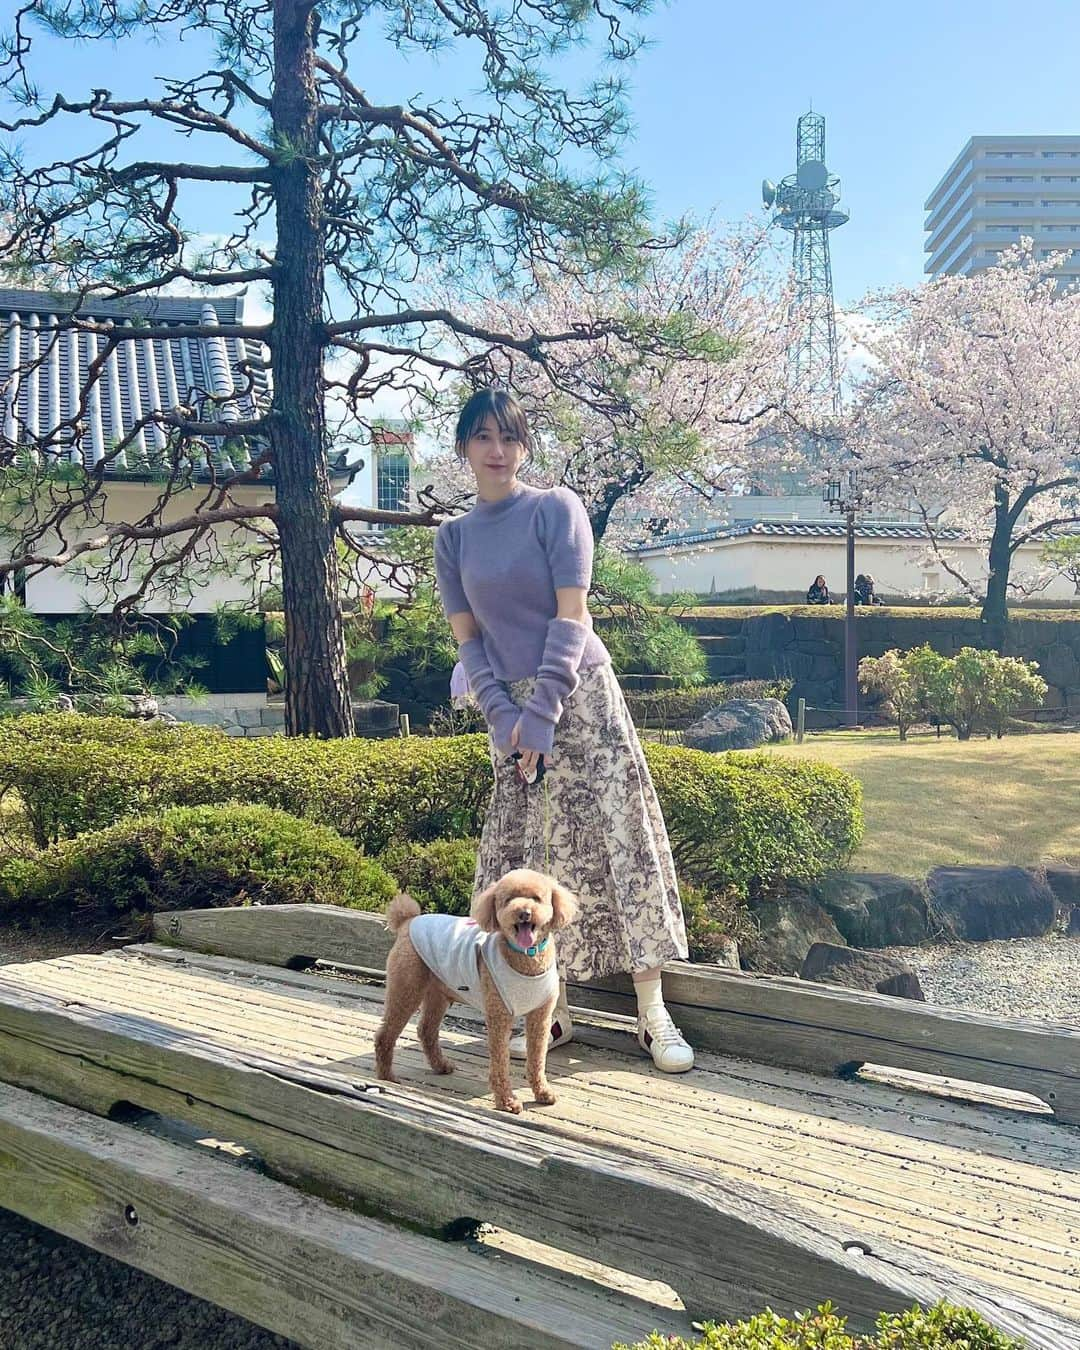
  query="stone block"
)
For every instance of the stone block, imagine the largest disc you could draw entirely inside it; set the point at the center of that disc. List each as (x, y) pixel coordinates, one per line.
(1061, 666)
(248, 717)
(829, 964)
(1064, 883)
(874, 909)
(739, 724)
(980, 903)
(250, 731)
(788, 927)
(233, 730)
(770, 632)
(272, 716)
(201, 717)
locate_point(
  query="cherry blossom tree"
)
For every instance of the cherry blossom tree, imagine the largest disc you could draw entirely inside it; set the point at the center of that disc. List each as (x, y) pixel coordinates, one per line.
(671, 408)
(969, 415)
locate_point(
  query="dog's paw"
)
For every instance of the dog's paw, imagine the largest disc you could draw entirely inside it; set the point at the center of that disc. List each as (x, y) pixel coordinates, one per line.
(510, 1104)
(545, 1097)
(444, 1066)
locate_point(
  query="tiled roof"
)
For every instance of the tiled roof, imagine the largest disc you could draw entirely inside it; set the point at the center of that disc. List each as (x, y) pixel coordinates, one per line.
(140, 376)
(796, 529)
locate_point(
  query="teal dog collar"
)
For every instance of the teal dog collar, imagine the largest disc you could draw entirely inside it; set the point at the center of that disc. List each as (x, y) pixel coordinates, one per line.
(534, 950)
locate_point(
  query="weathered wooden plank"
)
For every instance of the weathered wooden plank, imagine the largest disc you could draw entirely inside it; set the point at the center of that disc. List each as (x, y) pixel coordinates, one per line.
(727, 1249)
(287, 1261)
(935, 1116)
(782, 1021)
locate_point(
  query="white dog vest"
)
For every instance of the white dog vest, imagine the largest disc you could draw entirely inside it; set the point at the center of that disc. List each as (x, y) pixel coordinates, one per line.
(452, 948)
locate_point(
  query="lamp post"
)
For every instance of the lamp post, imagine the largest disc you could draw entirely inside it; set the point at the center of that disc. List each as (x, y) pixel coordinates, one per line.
(844, 494)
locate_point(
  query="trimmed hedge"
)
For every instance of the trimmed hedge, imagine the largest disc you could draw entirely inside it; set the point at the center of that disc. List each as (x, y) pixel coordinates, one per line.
(741, 821)
(438, 875)
(750, 821)
(72, 774)
(198, 857)
(942, 1327)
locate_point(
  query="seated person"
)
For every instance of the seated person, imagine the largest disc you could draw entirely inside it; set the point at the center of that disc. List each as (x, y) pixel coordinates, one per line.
(864, 591)
(818, 594)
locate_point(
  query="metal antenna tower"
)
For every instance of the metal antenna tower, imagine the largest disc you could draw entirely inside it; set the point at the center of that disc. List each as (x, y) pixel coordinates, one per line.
(806, 203)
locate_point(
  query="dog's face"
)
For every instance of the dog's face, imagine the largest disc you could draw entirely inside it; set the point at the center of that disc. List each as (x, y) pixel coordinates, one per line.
(525, 906)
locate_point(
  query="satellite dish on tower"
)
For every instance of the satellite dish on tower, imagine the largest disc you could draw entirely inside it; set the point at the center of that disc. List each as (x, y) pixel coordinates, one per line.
(768, 191)
(812, 175)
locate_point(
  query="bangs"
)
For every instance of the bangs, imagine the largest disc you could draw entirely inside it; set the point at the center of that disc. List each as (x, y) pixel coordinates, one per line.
(506, 410)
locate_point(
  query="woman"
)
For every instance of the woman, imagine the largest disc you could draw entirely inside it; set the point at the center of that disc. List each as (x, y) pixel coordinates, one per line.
(513, 575)
(818, 594)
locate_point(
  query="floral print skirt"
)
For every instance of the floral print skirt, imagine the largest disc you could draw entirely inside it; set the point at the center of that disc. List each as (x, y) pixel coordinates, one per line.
(594, 823)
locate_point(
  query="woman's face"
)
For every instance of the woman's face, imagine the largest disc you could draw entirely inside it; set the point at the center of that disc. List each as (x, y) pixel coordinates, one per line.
(494, 456)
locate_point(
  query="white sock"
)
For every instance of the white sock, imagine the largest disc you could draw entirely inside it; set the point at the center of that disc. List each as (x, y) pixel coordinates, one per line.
(650, 995)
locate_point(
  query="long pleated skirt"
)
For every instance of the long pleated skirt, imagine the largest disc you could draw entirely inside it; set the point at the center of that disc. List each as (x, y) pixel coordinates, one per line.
(594, 823)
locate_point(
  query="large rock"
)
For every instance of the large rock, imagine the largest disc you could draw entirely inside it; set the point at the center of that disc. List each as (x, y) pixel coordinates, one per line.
(740, 725)
(788, 928)
(1065, 884)
(828, 964)
(980, 903)
(874, 909)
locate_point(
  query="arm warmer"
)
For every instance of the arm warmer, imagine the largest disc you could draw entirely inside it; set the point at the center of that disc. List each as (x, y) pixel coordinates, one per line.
(556, 680)
(499, 709)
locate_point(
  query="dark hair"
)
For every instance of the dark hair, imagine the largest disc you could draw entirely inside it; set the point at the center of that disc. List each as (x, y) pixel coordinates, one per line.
(506, 410)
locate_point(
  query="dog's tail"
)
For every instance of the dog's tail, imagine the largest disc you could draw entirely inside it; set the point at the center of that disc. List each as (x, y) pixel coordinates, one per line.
(400, 910)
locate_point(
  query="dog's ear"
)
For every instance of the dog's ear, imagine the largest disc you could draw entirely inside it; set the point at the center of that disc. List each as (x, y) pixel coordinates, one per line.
(564, 905)
(483, 909)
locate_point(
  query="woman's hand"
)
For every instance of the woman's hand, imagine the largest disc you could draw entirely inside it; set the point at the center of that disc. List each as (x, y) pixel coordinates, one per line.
(527, 762)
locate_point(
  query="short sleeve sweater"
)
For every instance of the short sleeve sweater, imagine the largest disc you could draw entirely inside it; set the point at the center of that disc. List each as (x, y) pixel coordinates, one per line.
(504, 560)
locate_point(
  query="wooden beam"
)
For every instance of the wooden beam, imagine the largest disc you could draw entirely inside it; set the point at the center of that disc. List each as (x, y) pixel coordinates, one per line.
(327, 1279)
(774, 1020)
(728, 1250)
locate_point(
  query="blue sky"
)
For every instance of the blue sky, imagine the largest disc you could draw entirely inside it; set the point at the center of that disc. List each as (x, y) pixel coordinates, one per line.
(716, 98)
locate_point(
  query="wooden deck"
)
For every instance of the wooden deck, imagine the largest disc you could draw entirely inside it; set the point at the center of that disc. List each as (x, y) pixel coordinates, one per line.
(889, 1190)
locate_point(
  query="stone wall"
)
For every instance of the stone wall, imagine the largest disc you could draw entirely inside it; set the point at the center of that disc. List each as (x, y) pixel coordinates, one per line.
(810, 650)
(256, 715)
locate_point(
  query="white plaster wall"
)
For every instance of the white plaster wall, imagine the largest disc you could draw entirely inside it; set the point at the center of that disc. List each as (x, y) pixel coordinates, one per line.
(66, 591)
(784, 565)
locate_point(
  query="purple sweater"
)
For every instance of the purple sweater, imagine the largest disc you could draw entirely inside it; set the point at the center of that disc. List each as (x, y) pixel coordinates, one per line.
(503, 561)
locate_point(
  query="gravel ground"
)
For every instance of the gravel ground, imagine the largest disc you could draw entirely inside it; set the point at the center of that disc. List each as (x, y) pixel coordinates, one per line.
(58, 1295)
(1021, 977)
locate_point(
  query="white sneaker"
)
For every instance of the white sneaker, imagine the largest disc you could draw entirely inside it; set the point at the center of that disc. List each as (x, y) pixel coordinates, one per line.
(658, 1034)
(562, 1030)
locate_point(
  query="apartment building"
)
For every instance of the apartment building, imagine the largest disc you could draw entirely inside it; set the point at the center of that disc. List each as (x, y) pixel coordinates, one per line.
(998, 189)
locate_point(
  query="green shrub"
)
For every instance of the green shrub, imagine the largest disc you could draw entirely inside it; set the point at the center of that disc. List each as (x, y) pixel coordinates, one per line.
(740, 821)
(73, 772)
(438, 875)
(80, 773)
(655, 644)
(711, 917)
(942, 1327)
(665, 706)
(972, 691)
(748, 821)
(201, 857)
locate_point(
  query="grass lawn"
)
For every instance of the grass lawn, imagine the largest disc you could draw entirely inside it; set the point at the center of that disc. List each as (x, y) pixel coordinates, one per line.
(929, 802)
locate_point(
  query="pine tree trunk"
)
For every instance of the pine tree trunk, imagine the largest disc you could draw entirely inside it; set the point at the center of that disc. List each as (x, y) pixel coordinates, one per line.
(995, 610)
(316, 685)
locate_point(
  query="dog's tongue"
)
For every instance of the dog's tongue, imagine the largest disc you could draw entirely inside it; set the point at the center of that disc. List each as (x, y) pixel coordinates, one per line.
(526, 935)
